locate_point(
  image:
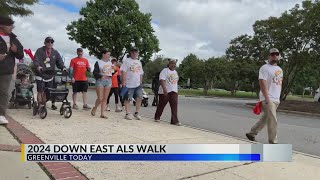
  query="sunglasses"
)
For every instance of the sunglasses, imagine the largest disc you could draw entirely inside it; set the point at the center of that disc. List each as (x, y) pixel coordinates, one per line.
(50, 42)
(274, 54)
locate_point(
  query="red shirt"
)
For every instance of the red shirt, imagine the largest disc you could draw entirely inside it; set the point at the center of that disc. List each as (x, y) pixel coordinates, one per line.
(79, 66)
(115, 77)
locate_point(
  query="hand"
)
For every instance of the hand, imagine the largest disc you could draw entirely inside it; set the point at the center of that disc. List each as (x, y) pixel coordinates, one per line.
(73, 80)
(39, 69)
(14, 48)
(165, 92)
(2, 56)
(14, 77)
(267, 100)
(64, 69)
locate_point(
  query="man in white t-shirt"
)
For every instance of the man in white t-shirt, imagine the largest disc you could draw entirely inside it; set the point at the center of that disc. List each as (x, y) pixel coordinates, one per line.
(132, 76)
(168, 92)
(270, 80)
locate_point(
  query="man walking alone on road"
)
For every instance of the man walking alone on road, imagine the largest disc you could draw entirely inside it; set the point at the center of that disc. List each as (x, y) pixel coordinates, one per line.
(78, 69)
(270, 80)
(10, 48)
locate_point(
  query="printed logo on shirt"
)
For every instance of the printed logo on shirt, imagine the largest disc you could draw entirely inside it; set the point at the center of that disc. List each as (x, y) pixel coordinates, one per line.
(106, 69)
(278, 76)
(173, 78)
(80, 63)
(135, 68)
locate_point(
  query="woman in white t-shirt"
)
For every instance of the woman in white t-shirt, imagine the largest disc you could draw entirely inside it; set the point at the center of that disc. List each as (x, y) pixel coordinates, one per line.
(103, 70)
(168, 92)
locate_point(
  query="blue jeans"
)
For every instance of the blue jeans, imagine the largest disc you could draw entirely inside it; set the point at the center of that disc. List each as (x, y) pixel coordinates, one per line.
(104, 83)
(134, 92)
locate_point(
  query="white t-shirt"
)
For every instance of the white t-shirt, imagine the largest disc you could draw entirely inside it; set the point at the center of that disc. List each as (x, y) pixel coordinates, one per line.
(273, 75)
(7, 40)
(171, 78)
(134, 70)
(106, 68)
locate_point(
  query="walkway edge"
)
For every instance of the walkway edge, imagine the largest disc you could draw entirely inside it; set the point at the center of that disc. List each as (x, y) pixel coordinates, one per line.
(55, 170)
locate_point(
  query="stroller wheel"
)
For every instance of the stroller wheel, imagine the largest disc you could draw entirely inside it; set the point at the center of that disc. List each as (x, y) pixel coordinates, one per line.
(61, 111)
(29, 105)
(11, 105)
(67, 112)
(35, 108)
(43, 112)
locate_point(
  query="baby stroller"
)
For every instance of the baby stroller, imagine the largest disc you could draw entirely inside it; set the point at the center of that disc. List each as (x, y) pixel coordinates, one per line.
(58, 95)
(144, 101)
(22, 94)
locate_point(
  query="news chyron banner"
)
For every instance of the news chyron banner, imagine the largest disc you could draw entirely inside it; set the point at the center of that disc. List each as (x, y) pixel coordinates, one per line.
(157, 152)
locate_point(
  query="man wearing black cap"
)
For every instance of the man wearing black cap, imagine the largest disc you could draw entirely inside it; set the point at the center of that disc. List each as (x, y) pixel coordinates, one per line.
(78, 69)
(132, 77)
(10, 49)
(45, 61)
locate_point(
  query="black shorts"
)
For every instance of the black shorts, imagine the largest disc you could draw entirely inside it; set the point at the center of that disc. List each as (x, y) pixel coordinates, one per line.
(80, 86)
(41, 85)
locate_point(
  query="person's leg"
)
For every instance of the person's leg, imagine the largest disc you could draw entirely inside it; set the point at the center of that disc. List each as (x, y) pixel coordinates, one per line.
(106, 92)
(173, 101)
(75, 87)
(109, 96)
(84, 91)
(127, 103)
(261, 123)
(121, 98)
(272, 123)
(99, 90)
(138, 94)
(163, 100)
(5, 81)
(116, 98)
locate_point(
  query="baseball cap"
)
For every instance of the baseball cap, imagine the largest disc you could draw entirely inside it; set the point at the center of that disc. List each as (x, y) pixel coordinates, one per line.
(273, 50)
(49, 39)
(5, 20)
(171, 60)
(133, 49)
(80, 49)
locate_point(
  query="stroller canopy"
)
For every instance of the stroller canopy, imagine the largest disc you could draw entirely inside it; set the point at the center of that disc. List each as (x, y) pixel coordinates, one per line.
(23, 69)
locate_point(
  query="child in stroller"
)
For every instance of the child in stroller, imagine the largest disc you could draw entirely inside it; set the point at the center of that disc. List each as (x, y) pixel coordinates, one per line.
(23, 93)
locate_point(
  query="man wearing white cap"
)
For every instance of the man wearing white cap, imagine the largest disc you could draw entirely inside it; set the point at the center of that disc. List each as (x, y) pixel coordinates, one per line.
(270, 80)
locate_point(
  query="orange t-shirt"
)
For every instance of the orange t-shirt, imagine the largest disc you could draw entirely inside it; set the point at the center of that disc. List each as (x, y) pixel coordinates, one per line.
(115, 77)
(79, 66)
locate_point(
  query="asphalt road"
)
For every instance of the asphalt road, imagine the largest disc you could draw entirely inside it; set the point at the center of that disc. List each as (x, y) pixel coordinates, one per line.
(232, 117)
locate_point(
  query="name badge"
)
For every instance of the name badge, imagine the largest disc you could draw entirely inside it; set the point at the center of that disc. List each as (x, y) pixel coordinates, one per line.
(47, 62)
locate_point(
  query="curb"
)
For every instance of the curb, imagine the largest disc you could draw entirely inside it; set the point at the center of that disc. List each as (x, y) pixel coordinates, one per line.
(11, 148)
(293, 112)
(55, 170)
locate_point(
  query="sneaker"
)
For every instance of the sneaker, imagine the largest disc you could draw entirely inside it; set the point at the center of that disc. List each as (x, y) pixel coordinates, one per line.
(53, 107)
(3, 120)
(118, 109)
(86, 107)
(177, 124)
(75, 107)
(107, 109)
(136, 115)
(128, 117)
(250, 137)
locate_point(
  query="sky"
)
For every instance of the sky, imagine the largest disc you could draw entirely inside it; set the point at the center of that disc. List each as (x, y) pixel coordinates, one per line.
(202, 27)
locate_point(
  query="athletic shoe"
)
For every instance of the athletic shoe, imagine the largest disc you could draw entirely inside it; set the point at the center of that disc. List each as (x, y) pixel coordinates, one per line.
(128, 117)
(86, 107)
(75, 107)
(136, 115)
(3, 120)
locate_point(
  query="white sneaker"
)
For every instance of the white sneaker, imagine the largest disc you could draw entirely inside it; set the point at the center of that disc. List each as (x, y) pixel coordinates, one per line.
(137, 116)
(128, 117)
(3, 120)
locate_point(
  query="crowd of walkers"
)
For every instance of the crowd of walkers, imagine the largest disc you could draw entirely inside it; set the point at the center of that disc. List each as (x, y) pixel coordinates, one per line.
(124, 81)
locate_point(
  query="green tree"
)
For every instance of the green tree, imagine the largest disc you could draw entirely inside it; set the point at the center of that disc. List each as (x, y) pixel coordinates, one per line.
(116, 25)
(16, 7)
(154, 66)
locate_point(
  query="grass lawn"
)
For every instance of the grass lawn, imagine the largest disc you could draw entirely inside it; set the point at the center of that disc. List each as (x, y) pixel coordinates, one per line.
(196, 92)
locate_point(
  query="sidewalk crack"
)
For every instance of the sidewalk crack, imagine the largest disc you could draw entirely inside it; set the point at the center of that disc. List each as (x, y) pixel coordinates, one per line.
(223, 169)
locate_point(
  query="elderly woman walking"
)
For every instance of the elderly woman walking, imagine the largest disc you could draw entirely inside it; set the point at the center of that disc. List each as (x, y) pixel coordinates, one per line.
(168, 92)
(103, 70)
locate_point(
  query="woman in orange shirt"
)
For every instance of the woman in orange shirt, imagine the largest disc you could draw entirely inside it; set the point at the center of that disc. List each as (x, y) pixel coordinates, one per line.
(115, 86)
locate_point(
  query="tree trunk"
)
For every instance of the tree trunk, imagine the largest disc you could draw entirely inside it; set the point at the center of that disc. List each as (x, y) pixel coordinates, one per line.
(206, 87)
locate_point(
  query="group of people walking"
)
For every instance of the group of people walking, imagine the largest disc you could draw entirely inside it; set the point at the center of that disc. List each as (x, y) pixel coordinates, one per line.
(123, 80)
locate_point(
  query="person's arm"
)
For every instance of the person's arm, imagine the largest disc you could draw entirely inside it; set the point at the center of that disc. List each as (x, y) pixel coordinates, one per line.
(263, 75)
(36, 61)
(162, 78)
(15, 71)
(123, 70)
(16, 50)
(88, 66)
(59, 62)
(96, 71)
(71, 70)
(141, 74)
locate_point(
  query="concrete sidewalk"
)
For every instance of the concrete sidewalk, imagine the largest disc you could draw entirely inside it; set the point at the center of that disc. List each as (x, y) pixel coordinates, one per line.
(85, 129)
(11, 166)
